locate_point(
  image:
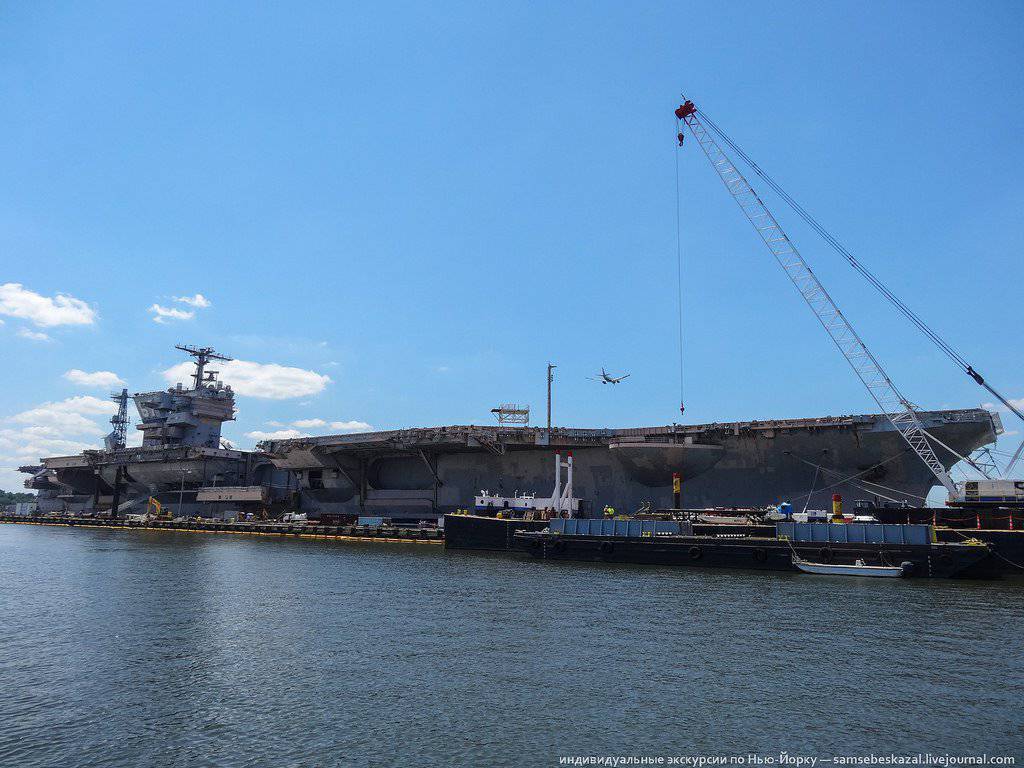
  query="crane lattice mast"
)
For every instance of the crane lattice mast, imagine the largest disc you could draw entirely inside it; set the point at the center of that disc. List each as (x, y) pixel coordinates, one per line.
(897, 408)
(118, 438)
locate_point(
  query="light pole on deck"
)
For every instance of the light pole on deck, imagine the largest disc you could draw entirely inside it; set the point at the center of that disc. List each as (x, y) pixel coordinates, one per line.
(551, 378)
(181, 491)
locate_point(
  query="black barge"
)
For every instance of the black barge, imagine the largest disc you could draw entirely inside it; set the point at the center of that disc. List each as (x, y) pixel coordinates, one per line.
(658, 542)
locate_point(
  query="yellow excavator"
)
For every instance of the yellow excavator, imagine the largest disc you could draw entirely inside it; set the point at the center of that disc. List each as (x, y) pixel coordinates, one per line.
(155, 510)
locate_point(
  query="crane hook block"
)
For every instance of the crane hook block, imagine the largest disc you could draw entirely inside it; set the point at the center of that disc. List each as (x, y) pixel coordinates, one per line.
(685, 110)
(680, 136)
(682, 408)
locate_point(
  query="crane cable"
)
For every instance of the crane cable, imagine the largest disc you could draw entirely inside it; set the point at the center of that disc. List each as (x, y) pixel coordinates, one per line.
(814, 482)
(679, 269)
(854, 478)
(893, 299)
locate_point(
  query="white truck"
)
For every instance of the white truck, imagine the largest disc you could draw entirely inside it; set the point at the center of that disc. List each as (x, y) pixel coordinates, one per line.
(990, 492)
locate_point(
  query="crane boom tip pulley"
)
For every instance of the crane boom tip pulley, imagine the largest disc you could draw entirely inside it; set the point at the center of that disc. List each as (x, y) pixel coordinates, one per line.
(685, 109)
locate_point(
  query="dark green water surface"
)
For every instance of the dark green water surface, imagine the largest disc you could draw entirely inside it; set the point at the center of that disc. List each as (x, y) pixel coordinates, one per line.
(155, 649)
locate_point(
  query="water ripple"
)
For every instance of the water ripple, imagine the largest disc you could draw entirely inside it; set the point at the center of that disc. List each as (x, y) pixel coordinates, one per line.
(125, 649)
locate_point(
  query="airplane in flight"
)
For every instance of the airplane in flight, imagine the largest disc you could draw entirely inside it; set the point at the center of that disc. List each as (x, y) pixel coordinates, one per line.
(605, 378)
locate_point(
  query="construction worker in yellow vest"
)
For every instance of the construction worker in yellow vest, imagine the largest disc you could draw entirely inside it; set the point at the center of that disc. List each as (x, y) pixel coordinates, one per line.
(609, 511)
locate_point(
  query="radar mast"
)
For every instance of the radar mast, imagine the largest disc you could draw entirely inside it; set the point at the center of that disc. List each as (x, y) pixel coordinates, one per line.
(202, 356)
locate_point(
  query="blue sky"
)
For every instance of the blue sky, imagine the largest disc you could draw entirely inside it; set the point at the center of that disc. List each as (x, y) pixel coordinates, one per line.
(424, 203)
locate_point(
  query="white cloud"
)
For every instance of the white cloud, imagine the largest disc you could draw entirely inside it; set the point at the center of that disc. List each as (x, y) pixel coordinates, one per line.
(198, 301)
(12, 480)
(309, 423)
(60, 428)
(163, 314)
(101, 379)
(44, 311)
(266, 380)
(287, 434)
(27, 333)
(336, 426)
(280, 434)
(318, 426)
(66, 417)
(1017, 403)
(351, 426)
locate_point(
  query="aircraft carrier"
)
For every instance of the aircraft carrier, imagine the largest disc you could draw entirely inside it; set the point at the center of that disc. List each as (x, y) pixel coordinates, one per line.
(422, 473)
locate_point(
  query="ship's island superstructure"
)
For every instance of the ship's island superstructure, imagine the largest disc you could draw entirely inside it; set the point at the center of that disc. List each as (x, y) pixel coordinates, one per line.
(182, 462)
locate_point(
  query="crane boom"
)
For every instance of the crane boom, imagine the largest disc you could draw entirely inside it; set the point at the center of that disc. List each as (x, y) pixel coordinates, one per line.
(897, 408)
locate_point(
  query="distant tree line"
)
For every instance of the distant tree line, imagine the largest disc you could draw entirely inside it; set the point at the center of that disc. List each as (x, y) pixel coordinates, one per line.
(15, 497)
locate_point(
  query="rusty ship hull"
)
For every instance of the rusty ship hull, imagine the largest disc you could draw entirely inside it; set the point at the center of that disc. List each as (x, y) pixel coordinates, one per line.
(420, 473)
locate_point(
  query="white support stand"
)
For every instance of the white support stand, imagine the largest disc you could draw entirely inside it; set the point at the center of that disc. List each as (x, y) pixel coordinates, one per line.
(556, 496)
(561, 499)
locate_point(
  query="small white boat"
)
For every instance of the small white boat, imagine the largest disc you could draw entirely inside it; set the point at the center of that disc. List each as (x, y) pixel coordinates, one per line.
(860, 568)
(722, 519)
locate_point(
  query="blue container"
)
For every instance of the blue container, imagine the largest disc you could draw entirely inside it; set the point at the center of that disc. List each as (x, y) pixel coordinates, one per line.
(855, 533)
(630, 528)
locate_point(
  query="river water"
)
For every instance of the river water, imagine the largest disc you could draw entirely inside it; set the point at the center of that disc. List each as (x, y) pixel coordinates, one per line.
(126, 648)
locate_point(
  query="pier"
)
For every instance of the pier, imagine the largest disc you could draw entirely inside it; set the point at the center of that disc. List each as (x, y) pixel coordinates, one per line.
(381, 534)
